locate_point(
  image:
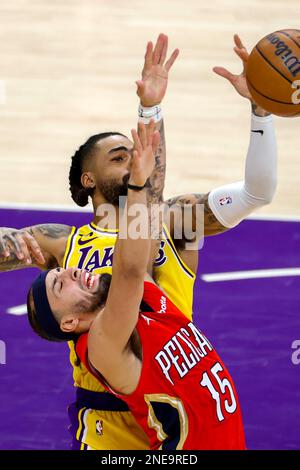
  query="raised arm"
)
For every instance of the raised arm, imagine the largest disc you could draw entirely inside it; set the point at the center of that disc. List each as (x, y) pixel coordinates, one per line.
(41, 246)
(151, 90)
(226, 206)
(112, 328)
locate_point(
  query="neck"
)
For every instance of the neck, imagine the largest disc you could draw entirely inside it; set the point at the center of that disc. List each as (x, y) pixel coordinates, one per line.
(106, 215)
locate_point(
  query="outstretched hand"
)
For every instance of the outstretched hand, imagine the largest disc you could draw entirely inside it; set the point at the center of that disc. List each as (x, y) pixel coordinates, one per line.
(152, 87)
(146, 141)
(238, 81)
(21, 244)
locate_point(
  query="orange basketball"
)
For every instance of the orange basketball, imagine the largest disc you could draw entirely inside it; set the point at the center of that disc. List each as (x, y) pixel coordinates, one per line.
(273, 73)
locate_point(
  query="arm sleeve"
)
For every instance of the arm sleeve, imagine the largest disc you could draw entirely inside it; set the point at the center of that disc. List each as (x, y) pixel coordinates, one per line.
(233, 202)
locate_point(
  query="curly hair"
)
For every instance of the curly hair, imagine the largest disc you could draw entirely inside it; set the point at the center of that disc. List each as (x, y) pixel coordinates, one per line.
(80, 195)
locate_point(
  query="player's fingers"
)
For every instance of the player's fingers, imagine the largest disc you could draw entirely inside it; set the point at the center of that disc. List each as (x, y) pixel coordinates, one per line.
(136, 141)
(135, 156)
(172, 59)
(24, 248)
(15, 245)
(135, 138)
(157, 49)
(136, 161)
(242, 53)
(142, 131)
(164, 51)
(4, 252)
(148, 56)
(155, 141)
(34, 248)
(224, 73)
(150, 130)
(238, 42)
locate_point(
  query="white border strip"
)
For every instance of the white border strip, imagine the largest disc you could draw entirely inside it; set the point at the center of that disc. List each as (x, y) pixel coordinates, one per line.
(275, 217)
(254, 274)
(18, 310)
(45, 207)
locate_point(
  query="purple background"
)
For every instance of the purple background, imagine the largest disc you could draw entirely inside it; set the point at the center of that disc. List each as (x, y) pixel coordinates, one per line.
(252, 324)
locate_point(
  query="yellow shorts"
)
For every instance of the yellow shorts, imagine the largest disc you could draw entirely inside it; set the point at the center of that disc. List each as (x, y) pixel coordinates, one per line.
(105, 429)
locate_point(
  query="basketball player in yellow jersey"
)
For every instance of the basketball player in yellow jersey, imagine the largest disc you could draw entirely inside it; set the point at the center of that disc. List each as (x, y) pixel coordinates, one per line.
(100, 169)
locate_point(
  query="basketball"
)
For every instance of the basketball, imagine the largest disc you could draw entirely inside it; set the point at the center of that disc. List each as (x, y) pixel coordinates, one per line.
(273, 73)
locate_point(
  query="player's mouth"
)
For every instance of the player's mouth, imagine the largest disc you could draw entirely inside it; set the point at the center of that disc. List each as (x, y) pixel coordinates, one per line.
(89, 281)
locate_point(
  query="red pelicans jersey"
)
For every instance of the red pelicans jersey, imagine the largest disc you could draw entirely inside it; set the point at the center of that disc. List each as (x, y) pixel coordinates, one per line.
(185, 398)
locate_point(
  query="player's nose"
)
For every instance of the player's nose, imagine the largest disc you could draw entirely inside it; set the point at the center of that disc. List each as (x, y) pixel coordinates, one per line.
(75, 274)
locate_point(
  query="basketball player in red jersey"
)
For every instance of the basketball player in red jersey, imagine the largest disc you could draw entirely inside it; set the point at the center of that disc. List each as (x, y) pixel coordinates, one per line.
(131, 336)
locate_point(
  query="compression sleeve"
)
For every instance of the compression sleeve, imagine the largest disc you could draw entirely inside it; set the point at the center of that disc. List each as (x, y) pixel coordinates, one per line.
(233, 202)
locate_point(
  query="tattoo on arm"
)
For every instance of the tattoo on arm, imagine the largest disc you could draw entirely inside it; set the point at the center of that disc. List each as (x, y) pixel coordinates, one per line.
(53, 231)
(11, 263)
(212, 226)
(10, 236)
(157, 179)
(54, 251)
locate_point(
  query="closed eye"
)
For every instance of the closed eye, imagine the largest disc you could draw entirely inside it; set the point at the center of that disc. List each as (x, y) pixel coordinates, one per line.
(60, 284)
(54, 282)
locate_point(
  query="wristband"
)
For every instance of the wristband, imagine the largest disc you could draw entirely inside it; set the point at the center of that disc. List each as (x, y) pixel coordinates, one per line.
(134, 187)
(148, 113)
(139, 188)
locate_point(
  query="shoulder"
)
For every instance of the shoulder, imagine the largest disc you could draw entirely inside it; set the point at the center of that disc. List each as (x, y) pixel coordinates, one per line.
(53, 239)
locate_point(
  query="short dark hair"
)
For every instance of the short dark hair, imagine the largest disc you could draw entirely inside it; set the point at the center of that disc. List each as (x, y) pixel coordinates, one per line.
(35, 324)
(80, 195)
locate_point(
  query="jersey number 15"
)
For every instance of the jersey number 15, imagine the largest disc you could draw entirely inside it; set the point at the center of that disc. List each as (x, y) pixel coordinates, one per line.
(224, 384)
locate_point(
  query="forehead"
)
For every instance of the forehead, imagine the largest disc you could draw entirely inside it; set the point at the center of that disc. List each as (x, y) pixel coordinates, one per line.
(114, 141)
(49, 280)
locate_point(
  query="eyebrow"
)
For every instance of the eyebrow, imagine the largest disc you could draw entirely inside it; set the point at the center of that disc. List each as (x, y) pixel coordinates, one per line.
(117, 149)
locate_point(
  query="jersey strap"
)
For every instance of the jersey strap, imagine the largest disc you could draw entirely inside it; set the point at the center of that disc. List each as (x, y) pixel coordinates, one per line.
(69, 247)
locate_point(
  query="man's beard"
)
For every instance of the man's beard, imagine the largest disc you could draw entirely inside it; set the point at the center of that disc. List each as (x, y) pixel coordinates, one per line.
(112, 190)
(98, 300)
(100, 296)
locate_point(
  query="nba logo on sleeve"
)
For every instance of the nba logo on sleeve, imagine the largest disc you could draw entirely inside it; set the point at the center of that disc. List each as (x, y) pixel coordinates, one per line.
(225, 200)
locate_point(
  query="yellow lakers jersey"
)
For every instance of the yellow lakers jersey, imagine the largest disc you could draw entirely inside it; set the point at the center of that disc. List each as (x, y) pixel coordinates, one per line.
(91, 248)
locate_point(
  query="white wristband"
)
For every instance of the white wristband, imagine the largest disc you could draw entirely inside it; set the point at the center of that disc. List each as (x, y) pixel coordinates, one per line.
(148, 113)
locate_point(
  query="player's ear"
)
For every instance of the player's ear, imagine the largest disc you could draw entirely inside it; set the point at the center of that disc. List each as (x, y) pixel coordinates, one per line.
(69, 323)
(87, 180)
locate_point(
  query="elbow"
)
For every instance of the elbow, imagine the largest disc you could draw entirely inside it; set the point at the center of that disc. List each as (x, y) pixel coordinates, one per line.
(268, 200)
(270, 191)
(261, 193)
